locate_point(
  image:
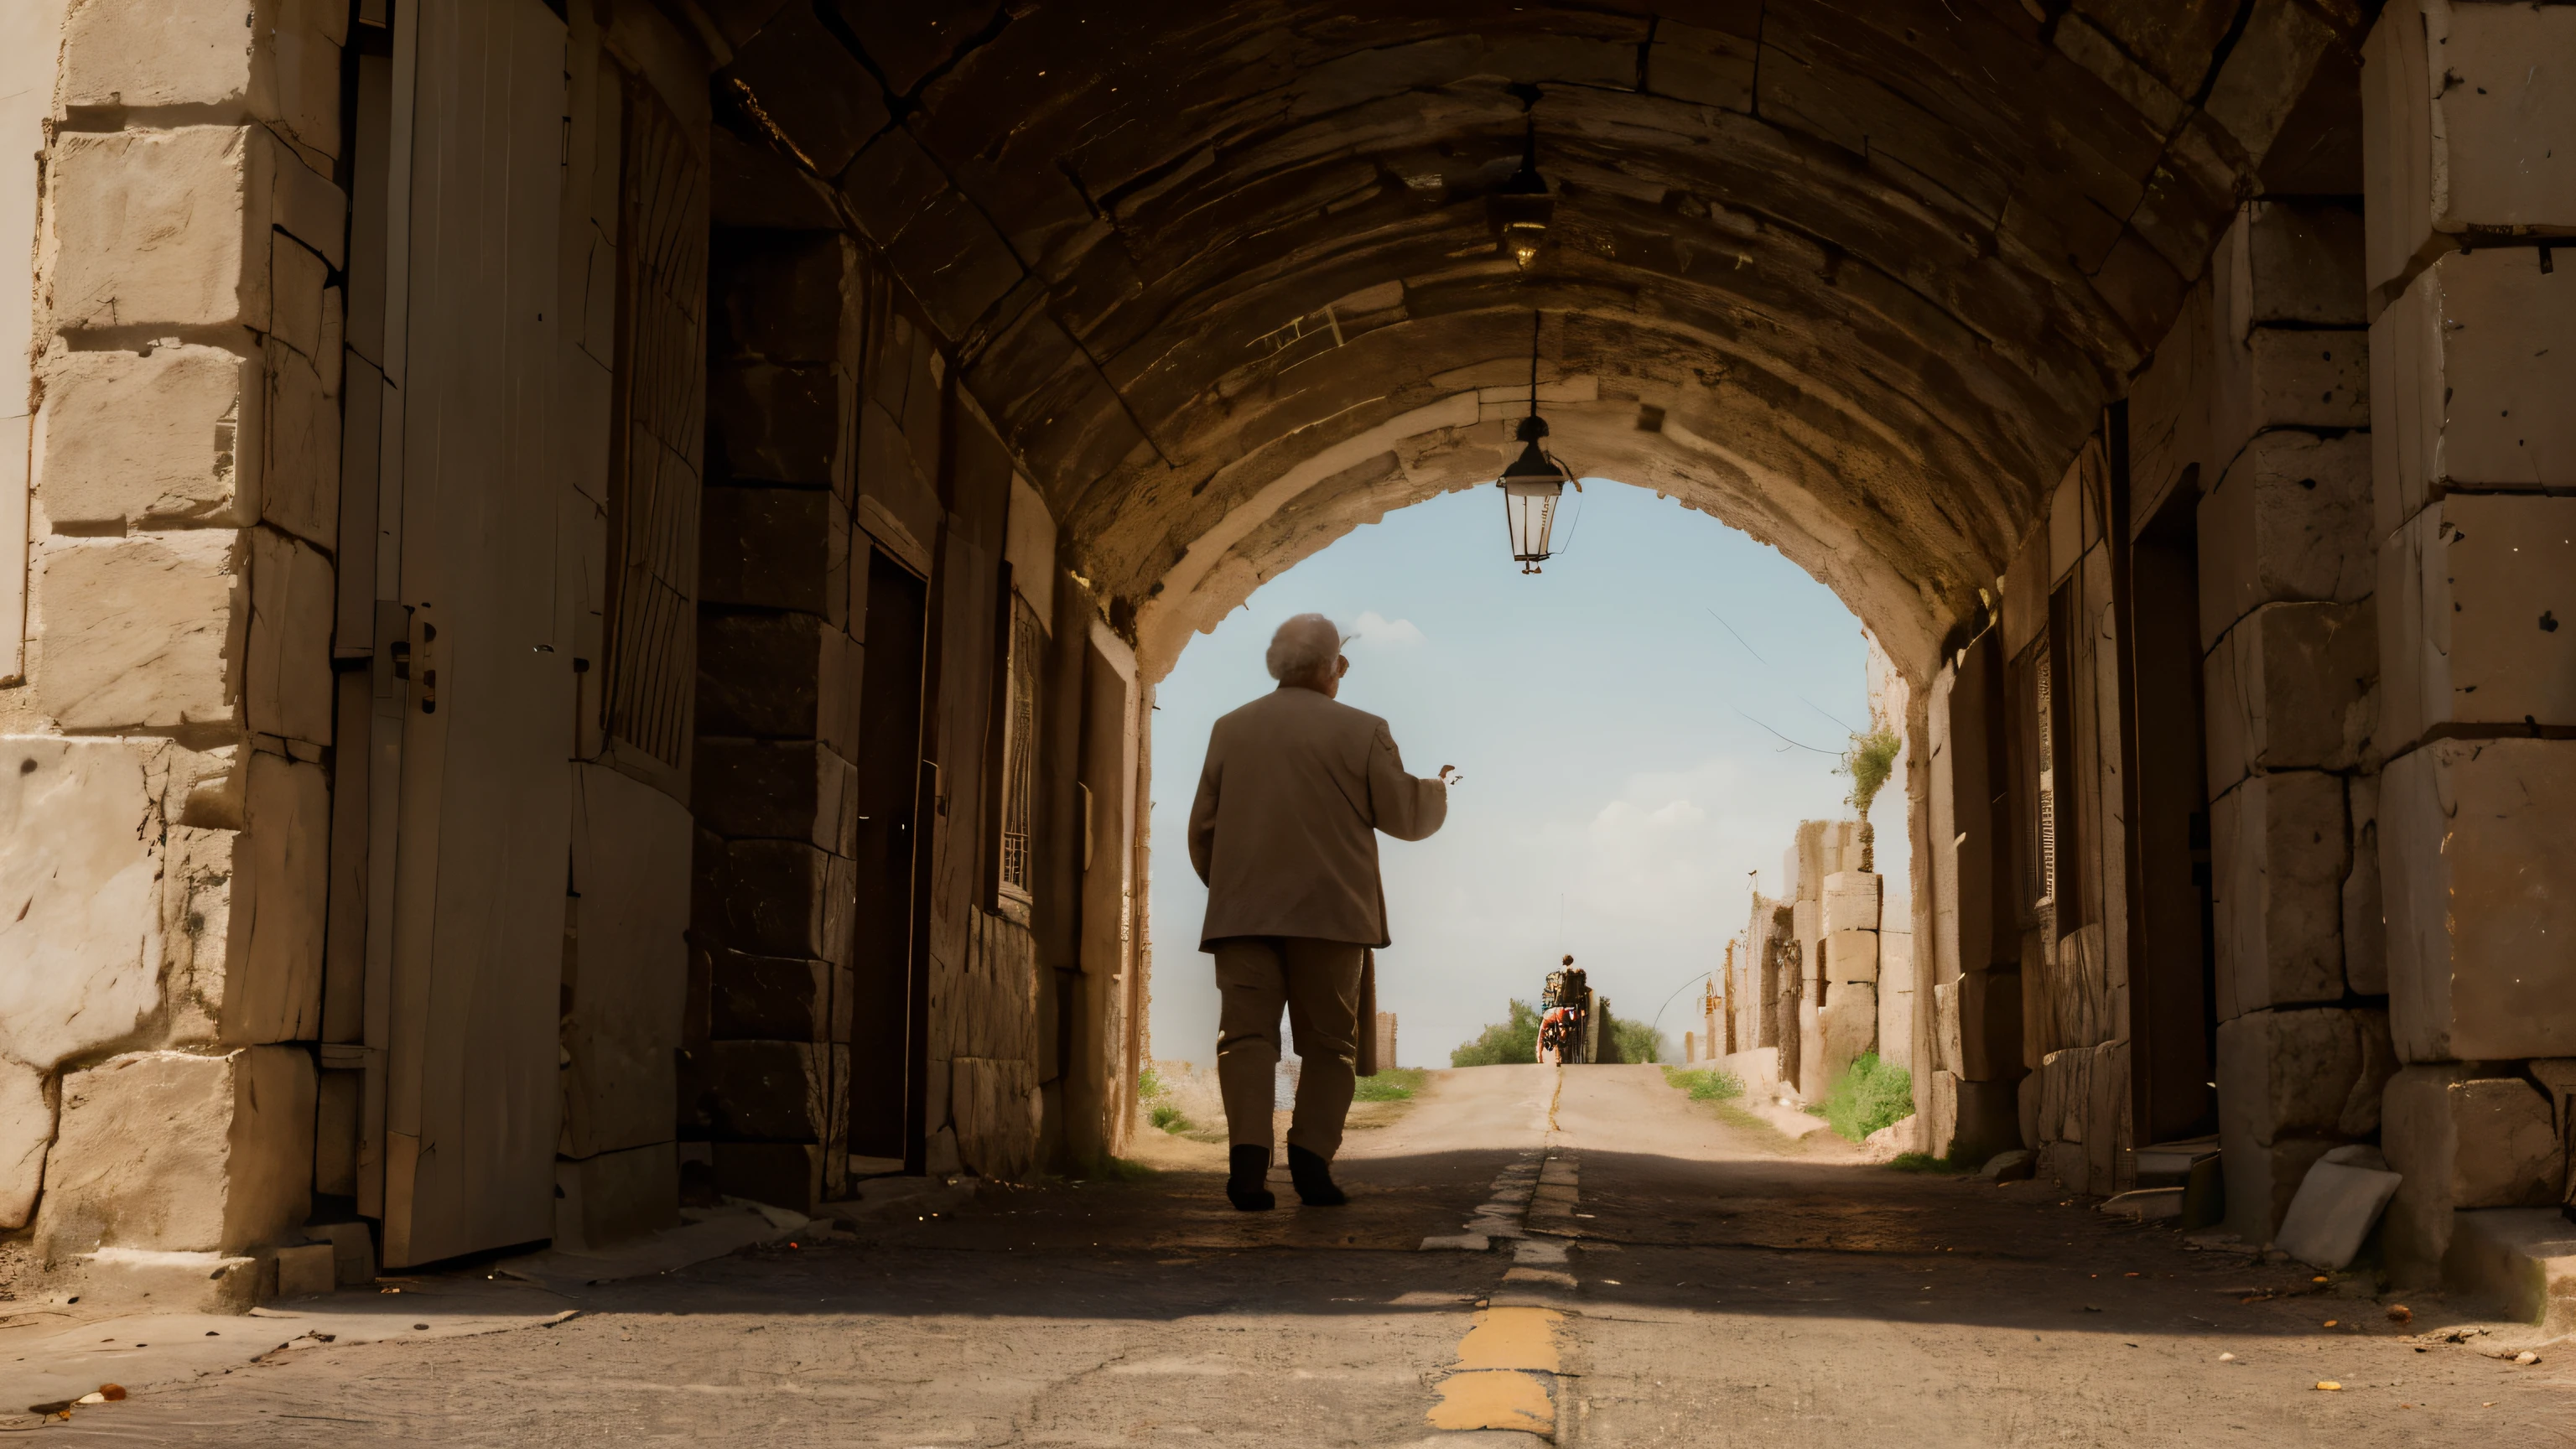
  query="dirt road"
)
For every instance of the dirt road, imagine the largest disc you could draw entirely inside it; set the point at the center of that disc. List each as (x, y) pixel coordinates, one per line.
(1650, 1274)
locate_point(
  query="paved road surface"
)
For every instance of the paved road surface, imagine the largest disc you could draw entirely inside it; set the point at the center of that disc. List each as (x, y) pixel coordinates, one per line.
(1677, 1280)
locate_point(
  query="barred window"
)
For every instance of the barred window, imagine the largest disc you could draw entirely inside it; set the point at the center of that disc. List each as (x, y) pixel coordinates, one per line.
(661, 387)
(1019, 749)
(2044, 736)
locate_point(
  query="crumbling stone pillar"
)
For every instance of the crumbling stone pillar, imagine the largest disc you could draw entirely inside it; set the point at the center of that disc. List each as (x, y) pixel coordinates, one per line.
(1819, 1035)
(2473, 353)
(1848, 1022)
(178, 700)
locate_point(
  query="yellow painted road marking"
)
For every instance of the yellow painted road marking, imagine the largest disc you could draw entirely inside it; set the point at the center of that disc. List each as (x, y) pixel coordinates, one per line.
(1511, 1338)
(1507, 1368)
(1507, 1365)
(1494, 1399)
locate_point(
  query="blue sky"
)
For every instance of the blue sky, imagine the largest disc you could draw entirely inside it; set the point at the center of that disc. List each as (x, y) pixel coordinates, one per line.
(1617, 783)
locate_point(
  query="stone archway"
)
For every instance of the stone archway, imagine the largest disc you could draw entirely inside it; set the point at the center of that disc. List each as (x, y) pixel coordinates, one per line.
(1882, 300)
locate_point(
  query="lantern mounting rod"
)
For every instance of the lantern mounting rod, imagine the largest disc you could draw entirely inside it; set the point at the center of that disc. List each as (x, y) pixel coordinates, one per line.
(1533, 427)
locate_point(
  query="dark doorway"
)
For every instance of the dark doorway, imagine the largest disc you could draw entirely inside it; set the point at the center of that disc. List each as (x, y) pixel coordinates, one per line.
(881, 1109)
(2178, 965)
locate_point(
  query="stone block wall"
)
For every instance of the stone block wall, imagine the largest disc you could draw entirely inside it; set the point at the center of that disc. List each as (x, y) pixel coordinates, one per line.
(836, 432)
(2258, 406)
(1968, 1084)
(170, 739)
(2469, 533)
(2062, 939)
(766, 1080)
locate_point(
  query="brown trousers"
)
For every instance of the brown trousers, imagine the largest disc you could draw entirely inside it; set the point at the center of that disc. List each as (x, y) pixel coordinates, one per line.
(1319, 983)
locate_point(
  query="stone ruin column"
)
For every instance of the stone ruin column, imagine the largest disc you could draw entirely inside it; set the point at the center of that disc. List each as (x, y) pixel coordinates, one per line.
(2470, 148)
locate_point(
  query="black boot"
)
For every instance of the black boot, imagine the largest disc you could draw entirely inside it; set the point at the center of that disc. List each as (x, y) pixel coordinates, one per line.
(1314, 1178)
(1245, 1184)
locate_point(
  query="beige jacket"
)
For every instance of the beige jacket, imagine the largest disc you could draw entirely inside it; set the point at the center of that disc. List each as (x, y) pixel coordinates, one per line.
(1284, 830)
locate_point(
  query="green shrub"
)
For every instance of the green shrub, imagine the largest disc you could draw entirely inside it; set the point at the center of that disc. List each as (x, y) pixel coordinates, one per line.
(1926, 1162)
(1872, 1095)
(1705, 1084)
(1149, 1085)
(1504, 1042)
(1638, 1042)
(1391, 1084)
(1169, 1118)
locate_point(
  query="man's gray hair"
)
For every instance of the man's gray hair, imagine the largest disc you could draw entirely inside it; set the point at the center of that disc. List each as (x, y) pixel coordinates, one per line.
(1303, 646)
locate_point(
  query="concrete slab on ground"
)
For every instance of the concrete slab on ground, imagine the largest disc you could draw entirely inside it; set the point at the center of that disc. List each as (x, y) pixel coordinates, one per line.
(144, 1351)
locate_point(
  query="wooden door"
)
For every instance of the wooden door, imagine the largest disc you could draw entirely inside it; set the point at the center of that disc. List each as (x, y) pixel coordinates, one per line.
(884, 1101)
(480, 834)
(1091, 1072)
(2173, 1001)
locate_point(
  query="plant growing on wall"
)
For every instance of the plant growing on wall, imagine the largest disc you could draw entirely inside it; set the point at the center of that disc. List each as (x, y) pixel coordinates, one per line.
(1869, 762)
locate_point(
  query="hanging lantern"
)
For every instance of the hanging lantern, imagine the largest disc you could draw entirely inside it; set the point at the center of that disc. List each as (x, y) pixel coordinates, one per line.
(1522, 208)
(1534, 481)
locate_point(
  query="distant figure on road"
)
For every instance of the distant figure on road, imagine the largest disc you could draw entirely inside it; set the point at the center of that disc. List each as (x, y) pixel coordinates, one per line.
(1555, 1033)
(1284, 832)
(1560, 1030)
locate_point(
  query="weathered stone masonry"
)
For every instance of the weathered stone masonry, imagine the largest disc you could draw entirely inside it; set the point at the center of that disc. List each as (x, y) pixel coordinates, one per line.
(596, 569)
(791, 602)
(2338, 461)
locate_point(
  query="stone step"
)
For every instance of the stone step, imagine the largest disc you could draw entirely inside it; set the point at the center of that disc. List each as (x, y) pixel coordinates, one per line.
(2524, 1257)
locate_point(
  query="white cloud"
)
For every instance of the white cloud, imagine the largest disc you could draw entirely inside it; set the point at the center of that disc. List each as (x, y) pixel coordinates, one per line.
(1378, 631)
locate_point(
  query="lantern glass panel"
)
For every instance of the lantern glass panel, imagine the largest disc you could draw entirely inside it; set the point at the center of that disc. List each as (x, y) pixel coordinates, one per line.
(1529, 509)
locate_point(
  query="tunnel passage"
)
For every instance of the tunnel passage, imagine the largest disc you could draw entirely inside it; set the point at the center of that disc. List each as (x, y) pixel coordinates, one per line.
(1222, 286)
(728, 477)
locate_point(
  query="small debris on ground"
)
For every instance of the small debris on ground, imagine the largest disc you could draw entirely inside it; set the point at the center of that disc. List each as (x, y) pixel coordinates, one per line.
(2400, 1313)
(2329, 1386)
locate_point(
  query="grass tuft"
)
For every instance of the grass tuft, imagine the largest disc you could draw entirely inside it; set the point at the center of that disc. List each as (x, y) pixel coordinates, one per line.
(1391, 1084)
(1705, 1084)
(1872, 1095)
(1169, 1118)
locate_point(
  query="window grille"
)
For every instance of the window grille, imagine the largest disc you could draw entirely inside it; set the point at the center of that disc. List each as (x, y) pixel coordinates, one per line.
(1019, 749)
(2047, 752)
(660, 392)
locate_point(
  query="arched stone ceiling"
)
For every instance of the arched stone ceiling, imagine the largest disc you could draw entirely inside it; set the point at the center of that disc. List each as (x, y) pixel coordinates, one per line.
(1854, 275)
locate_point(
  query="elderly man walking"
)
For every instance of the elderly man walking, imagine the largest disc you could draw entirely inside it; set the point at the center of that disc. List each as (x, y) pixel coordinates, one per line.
(1284, 832)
